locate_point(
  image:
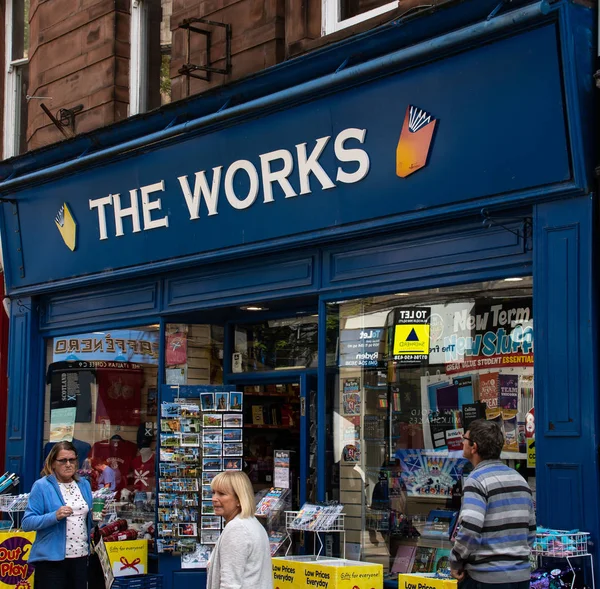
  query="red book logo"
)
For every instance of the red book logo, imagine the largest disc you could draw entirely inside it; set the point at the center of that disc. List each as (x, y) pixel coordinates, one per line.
(415, 141)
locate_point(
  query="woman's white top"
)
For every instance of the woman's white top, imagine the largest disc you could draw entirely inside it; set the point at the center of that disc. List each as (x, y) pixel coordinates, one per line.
(241, 558)
(77, 538)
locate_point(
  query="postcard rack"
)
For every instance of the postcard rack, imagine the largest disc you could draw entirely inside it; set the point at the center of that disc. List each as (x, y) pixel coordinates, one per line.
(201, 434)
(319, 520)
(568, 545)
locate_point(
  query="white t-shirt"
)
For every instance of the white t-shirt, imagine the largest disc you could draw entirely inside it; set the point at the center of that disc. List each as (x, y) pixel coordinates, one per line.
(77, 536)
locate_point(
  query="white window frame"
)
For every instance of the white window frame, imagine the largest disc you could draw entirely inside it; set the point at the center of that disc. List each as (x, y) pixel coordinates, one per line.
(331, 11)
(12, 89)
(138, 60)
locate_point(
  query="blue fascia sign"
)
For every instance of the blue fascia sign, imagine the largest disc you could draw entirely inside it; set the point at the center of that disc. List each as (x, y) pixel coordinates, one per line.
(452, 131)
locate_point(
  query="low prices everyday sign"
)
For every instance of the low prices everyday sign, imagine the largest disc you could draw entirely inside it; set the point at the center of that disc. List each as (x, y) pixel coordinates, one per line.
(15, 572)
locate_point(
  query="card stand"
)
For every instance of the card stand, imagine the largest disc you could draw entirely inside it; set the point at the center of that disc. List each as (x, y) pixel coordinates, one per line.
(319, 525)
(564, 544)
(14, 505)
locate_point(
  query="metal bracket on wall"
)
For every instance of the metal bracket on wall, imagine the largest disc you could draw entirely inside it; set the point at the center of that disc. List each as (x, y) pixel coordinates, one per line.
(524, 233)
(190, 69)
(64, 120)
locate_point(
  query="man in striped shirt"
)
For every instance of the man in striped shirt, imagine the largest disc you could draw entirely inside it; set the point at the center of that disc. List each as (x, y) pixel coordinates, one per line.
(497, 520)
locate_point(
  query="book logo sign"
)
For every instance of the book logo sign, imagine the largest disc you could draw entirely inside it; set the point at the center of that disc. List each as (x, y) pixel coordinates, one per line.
(66, 225)
(415, 141)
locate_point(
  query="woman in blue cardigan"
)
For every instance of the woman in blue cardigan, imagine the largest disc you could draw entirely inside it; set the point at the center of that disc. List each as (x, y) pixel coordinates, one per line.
(60, 511)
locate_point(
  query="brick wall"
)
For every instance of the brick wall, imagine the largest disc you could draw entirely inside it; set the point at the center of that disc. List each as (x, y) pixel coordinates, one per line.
(257, 39)
(79, 54)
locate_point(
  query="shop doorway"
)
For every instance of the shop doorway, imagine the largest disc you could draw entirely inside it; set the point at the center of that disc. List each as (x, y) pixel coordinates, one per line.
(277, 436)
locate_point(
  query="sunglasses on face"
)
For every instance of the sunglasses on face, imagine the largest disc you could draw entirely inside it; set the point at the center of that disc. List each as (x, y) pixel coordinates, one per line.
(67, 460)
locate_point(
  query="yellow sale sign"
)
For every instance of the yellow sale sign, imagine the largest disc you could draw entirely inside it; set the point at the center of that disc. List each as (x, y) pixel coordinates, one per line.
(15, 572)
(326, 573)
(129, 557)
(425, 581)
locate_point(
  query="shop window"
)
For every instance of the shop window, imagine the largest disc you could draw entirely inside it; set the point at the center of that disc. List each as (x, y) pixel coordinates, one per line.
(102, 394)
(16, 80)
(150, 39)
(193, 354)
(412, 370)
(339, 14)
(276, 344)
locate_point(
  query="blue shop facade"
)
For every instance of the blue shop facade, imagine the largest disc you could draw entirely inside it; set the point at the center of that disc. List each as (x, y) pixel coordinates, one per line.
(334, 262)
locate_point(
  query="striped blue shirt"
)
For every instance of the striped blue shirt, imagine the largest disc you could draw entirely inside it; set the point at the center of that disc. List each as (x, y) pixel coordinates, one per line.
(496, 525)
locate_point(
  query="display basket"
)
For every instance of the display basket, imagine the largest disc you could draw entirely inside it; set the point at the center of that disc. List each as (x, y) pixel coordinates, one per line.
(13, 503)
(317, 522)
(138, 582)
(560, 543)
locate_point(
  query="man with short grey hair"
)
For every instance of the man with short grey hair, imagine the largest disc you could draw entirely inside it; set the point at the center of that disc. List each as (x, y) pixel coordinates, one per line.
(497, 519)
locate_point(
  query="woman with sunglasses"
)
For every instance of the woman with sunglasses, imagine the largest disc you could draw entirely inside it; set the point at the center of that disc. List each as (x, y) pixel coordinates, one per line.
(60, 511)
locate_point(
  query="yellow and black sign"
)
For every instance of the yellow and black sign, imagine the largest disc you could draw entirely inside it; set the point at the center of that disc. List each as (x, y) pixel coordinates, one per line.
(530, 452)
(411, 334)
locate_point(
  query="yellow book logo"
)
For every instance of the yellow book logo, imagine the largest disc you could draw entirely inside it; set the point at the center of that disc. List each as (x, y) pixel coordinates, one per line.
(415, 141)
(66, 225)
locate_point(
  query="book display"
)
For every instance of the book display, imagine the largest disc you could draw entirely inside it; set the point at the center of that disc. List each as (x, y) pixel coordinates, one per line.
(201, 434)
(320, 520)
(271, 507)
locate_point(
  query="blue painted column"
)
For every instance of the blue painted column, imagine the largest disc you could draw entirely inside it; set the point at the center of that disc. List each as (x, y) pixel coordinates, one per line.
(25, 393)
(566, 374)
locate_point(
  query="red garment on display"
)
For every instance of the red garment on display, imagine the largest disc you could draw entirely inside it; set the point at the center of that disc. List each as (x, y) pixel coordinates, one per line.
(119, 395)
(142, 473)
(118, 454)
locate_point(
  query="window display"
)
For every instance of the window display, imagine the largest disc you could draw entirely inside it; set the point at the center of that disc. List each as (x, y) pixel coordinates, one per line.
(413, 370)
(101, 395)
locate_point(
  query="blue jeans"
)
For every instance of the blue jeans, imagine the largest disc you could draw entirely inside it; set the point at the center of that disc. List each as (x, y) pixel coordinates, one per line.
(469, 583)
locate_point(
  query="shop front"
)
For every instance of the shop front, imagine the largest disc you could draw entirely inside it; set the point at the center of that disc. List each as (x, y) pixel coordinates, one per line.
(323, 288)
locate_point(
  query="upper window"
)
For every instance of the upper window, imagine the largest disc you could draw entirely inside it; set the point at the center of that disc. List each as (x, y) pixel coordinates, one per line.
(150, 84)
(339, 14)
(16, 77)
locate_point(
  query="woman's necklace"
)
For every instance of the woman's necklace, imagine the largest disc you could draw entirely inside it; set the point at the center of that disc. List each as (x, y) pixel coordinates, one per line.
(69, 487)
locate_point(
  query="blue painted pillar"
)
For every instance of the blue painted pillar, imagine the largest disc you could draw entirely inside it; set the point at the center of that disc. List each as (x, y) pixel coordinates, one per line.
(566, 356)
(25, 394)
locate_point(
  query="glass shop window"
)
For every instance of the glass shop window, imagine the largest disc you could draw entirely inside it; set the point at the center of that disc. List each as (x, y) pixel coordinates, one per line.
(102, 394)
(277, 344)
(412, 371)
(193, 354)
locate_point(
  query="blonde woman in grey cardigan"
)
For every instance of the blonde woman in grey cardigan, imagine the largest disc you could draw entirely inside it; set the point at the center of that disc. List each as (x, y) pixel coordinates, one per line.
(242, 557)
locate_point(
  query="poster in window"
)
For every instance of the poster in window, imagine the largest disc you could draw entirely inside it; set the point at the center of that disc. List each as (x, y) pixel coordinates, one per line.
(351, 396)
(176, 345)
(70, 386)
